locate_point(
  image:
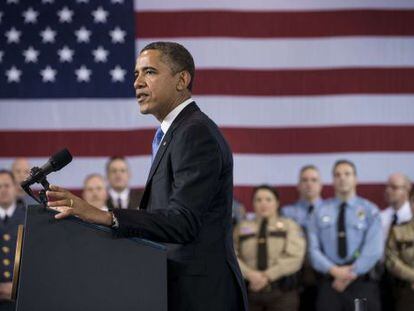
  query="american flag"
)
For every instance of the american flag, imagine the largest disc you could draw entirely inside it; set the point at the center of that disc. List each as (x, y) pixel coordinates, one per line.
(289, 82)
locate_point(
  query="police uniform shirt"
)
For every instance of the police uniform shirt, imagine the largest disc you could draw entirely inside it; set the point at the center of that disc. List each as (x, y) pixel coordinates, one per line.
(364, 241)
(299, 211)
(286, 246)
(404, 214)
(400, 251)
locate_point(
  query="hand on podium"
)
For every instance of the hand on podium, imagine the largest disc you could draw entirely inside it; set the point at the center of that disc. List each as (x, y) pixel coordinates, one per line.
(68, 204)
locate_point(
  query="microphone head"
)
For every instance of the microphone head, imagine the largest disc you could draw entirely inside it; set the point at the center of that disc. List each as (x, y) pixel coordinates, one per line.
(60, 159)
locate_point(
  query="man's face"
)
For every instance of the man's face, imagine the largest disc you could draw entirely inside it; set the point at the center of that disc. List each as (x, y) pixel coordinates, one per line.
(310, 185)
(397, 190)
(345, 180)
(95, 192)
(118, 175)
(20, 170)
(155, 84)
(8, 191)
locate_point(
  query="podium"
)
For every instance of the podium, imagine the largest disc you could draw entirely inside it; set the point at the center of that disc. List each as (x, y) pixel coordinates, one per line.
(69, 265)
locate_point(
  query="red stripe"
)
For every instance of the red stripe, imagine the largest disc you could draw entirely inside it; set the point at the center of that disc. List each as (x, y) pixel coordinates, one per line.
(274, 24)
(288, 194)
(242, 140)
(304, 82)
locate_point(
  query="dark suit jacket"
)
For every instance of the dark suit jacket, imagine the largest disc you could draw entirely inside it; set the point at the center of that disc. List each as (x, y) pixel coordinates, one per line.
(187, 204)
(133, 200)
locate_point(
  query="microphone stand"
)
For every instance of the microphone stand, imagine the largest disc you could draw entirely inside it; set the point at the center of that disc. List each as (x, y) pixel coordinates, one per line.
(41, 180)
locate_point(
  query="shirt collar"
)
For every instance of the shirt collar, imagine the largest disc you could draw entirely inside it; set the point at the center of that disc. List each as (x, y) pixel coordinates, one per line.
(169, 119)
(350, 202)
(123, 194)
(305, 203)
(405, 211)
(9, 211)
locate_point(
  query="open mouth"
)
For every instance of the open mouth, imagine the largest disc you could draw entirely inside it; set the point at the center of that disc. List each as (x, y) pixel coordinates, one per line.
(141, 97)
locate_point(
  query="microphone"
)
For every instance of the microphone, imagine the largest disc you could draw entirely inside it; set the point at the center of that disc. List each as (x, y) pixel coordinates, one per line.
(55, 163)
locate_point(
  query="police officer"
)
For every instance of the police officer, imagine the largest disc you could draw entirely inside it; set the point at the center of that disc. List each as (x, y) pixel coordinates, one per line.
(270, 251)
(309, 188)
(345, 243)
(400, 262)
(12, 214)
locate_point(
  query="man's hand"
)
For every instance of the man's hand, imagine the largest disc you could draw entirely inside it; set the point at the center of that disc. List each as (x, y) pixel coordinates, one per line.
(343, 272)
(257, 281)
(340, 285)
(5, 290)
(69, 204)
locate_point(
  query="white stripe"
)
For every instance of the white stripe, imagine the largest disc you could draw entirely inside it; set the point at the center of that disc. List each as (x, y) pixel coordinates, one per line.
(303, 53)
(260, 5)
(226, 111)
(250, 169)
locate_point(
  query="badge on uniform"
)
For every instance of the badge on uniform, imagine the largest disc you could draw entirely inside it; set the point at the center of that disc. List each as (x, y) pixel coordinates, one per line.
(361, 214)
(280, 225)
(326, 218)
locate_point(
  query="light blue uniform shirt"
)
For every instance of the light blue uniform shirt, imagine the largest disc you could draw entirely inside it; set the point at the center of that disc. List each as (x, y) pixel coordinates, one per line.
(363, 233)
(299, 211)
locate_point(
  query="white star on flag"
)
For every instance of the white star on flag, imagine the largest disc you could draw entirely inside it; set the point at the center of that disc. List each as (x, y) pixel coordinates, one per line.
(13, 35)
(65, 54)
(30, 16)
(30, 55)
(100, 54)
(48, 35)
(83, 34)
(83, 74)
(100, 15)
(48, 74)
(13, 74)
(65, 15)
(118, 74)
(117, 35)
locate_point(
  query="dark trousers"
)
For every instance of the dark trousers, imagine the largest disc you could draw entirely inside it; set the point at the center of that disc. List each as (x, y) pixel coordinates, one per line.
(404, 298)
(330, 300)
(274, 300)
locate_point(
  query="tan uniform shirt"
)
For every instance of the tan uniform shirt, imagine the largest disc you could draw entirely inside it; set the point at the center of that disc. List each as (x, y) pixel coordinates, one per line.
(400, 252)
(286, 247)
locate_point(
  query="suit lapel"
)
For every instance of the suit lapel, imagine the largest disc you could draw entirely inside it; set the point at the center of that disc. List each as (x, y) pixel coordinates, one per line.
(163, 147)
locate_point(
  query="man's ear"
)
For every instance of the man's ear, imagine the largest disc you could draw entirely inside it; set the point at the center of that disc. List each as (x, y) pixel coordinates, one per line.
(183, 80)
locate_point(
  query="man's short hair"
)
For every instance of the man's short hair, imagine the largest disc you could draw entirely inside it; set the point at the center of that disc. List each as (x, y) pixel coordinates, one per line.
(266, 187)
(344, 161)
(8, 172)
(307, 167)
(112, 159)
(177, 56)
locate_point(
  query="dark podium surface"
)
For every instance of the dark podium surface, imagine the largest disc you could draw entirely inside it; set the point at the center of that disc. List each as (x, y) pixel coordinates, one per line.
(69, 265)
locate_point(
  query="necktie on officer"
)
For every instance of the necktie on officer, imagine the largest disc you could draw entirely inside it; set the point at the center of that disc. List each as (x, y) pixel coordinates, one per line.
(394, 219)
(119, 203)
(156, 141)
(310, 209)
(262, 246)
(342, 247)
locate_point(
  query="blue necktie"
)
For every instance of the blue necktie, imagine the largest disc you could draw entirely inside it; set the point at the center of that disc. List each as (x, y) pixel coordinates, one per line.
(156, 142)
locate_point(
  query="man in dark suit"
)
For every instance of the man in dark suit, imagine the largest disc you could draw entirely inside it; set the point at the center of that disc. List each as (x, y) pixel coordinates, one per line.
(120, 195)
(187, 201)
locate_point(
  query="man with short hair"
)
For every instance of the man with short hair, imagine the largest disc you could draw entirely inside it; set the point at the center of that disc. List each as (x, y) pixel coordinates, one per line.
(94, 191)
(309, 189)
(21, 170)
(399, 210)
(12, 214)
(345, 238)
(187, 202)
(118, 176)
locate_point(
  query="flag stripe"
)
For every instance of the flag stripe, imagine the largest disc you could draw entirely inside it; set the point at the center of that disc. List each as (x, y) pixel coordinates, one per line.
(305, 82)
(271, 5)
(242, 140)
(249, 169)
(296, 53)
(226, 111)
(269, 24)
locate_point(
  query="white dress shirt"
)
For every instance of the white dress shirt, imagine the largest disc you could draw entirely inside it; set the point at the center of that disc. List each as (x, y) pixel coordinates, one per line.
(8, 211)
(404, 214)
(169, 119)
(115, 196)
